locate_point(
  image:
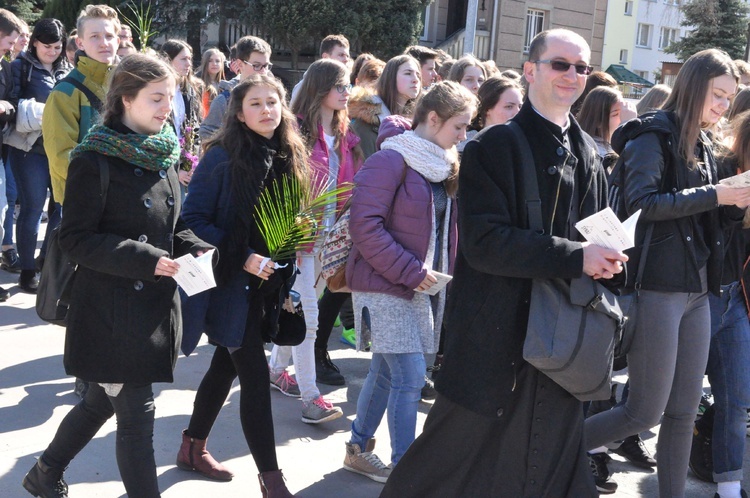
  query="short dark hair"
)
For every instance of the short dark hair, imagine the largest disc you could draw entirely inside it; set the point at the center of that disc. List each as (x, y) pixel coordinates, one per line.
(538, 45)
(9, 22)
(422, 54)
(249, 44)
(332, 41)
(48, 31)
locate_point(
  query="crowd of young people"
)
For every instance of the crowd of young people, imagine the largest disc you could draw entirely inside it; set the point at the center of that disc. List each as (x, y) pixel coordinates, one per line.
(180, 161)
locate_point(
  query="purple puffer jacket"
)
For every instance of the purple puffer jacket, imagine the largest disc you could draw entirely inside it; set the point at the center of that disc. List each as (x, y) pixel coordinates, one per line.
(389, 249)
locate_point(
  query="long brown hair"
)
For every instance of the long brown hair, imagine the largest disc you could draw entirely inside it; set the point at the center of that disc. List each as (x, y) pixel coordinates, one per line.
(447, 99)
(321, 77)
(235, 137)
(489, 95)
(211, 83)
(689, 95)
(594, 115)
(129, 77)
(388, 85)
(173, 48)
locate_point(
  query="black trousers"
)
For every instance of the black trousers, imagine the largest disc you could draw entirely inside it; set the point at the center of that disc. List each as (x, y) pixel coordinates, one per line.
(249, 364)
(134, 409)
(330, 305)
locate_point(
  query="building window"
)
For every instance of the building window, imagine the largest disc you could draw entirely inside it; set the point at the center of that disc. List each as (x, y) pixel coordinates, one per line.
(642, 74)
(623, 56)
(425, 23)
(534, 26)
(643, 39)
(667, 36)
(628, 8)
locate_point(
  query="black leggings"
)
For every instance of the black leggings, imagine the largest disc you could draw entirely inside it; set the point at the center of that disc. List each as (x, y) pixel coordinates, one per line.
(331, 305)
(249, 364)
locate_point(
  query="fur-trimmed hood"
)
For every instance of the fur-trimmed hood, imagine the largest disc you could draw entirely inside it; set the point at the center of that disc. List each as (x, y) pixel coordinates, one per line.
(366, 106)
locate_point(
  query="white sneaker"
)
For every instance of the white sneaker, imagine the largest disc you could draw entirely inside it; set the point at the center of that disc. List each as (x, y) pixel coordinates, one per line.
(319, 410)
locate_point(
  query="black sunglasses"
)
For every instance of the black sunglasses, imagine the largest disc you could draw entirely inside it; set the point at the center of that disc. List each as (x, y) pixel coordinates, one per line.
(563, 66)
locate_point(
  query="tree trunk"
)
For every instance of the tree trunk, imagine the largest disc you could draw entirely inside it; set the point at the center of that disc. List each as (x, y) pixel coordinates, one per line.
(193, 26)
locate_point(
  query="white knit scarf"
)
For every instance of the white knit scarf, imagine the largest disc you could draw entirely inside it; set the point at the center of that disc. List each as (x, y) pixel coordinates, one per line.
(426, 158)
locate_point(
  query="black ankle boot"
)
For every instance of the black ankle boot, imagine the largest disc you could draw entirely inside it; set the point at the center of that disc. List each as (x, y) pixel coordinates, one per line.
(45, 482)
(28, 281)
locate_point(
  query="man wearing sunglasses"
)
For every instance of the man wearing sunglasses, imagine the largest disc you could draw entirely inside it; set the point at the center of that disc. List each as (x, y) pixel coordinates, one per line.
(499, 427)
(253, 57)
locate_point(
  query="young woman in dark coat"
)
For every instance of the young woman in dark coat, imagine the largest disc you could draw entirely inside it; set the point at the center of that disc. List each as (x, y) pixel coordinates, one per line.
(671, 176)
(256, 145)
(124, 326)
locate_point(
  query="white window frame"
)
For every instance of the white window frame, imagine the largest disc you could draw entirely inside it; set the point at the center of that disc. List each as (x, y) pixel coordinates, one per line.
(639, 35)
(426, 28)
(534, 25)
(628, 7)
(674, 32)
(624, 52)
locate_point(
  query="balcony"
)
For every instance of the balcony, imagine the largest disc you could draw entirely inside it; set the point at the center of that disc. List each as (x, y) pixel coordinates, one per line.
(454, 44)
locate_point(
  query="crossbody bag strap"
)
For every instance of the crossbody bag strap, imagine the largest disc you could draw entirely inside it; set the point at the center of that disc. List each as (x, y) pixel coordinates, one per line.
(95, 102)
(529, 178)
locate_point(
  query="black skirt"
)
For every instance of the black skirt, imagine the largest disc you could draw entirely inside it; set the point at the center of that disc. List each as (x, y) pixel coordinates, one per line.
(536, 450)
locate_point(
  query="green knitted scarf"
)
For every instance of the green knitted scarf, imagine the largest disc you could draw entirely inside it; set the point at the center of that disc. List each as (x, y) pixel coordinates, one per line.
(152, 152)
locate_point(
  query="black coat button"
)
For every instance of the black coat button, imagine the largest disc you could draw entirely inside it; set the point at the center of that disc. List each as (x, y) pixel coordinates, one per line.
(143, 238)
(170, 200)
(138, 285)
(163, 173)
(500, 412)
(552, 170)
(148, 203)
(138, 172)
(560, 151)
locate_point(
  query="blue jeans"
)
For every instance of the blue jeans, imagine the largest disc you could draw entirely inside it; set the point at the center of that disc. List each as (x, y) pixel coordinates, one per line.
(31, 172)
(729, 373)
(395, 381)
(11, 196)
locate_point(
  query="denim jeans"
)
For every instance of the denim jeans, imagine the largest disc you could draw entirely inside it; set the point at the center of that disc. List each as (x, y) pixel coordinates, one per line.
(729, 373)
(134, 409)
(31, 172)
(666, 365)
(11, 196)
(394, 381)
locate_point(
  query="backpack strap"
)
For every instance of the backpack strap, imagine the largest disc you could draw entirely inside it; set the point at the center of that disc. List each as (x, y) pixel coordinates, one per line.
(95, 102)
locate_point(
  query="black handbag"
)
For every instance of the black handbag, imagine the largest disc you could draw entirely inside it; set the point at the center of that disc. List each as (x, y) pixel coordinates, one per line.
(283, 319)
(573, 325)
(58, 272)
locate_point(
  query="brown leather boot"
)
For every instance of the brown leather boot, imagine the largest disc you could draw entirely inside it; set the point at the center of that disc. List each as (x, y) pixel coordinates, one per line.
(194, 456)
(272, 485)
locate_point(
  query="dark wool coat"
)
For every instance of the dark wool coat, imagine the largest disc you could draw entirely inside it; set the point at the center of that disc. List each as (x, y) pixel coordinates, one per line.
(488, 306)
(124, 323)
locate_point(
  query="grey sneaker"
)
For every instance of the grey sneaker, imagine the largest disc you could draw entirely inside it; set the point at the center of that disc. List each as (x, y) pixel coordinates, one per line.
(319, 410)
(366, 463)
(285, 384)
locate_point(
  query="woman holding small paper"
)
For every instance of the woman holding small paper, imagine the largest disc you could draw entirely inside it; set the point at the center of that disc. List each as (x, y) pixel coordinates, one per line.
(403, 228)
(671, 175)
(122, 228)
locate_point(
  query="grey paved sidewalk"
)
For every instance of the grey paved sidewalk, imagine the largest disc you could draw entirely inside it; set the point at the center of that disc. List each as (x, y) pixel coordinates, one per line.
(35, 394)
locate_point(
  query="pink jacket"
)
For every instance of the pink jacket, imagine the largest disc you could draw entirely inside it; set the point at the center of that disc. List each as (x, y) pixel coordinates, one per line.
(347, 166)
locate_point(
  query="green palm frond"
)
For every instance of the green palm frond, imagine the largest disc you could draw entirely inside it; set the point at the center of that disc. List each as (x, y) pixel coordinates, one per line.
(289, 214)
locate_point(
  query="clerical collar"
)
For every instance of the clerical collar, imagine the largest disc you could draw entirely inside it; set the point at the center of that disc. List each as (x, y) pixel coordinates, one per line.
(563, 129)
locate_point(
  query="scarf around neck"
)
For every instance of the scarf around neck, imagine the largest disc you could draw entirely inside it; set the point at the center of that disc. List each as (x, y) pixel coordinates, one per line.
(152, 152)
(426, 158)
